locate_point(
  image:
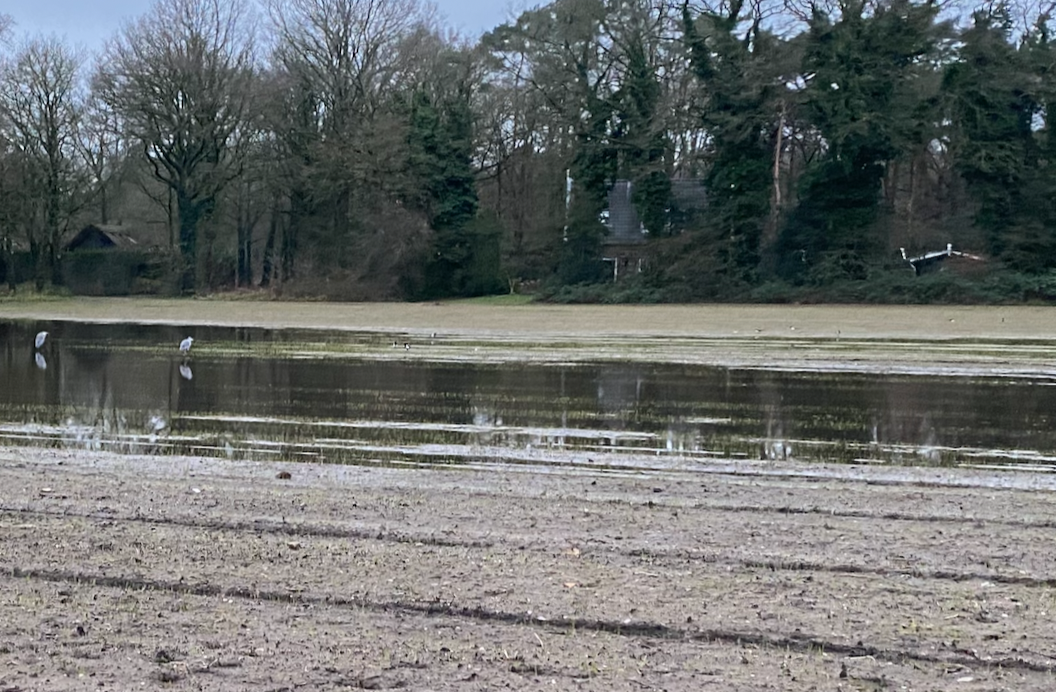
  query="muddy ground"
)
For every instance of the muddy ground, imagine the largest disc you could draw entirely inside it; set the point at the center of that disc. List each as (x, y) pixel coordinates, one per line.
(125, 573)
(122, 572)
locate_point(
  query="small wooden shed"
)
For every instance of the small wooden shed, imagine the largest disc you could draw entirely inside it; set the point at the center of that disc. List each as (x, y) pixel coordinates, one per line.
(102, 237)
(106, 260)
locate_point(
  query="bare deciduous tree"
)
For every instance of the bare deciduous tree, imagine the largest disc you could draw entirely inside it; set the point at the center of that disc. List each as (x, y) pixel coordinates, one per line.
(351, 51)
(337, 66)
(104, 148)
(40, 100)
(6, 22)
(180, 78)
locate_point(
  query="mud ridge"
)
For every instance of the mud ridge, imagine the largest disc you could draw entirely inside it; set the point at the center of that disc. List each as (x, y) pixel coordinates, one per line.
(851, 479)
(269, 527)
(863, 514)
(317, 531)
(649, 630)
(941, 574)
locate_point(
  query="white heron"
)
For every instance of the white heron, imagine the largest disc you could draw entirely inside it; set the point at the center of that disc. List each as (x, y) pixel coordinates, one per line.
(185, 345)
(41, 338)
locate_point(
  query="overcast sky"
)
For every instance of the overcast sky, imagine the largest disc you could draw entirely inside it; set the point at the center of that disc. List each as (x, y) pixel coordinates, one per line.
(90, 22)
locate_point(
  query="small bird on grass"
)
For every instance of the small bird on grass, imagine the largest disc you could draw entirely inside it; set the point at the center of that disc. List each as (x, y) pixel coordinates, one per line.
(185, 345)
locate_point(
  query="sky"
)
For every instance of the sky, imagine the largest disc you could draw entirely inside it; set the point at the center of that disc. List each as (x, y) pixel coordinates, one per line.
(90, 22)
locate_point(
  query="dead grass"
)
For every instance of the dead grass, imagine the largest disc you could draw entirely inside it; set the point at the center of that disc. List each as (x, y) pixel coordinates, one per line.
(538, 321)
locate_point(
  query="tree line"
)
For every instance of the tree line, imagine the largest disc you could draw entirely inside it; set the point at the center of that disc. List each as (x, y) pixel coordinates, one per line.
(358, 149)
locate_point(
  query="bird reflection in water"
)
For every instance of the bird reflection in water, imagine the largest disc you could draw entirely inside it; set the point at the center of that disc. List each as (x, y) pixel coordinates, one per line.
(38, 358)
(185, 372)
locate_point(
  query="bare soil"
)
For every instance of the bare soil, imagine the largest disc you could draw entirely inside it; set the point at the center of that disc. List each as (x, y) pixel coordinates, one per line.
(134, 572)
(124, 572)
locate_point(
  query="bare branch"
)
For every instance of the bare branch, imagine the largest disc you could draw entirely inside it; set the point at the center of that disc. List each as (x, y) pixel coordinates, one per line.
(180, 79)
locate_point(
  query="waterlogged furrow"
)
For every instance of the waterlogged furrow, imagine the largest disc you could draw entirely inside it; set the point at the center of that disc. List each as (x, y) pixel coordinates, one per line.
(392, 441)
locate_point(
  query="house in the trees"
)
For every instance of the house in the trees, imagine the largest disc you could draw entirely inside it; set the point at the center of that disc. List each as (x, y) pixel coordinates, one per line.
(102, 237)
(624, 248)
(107, 260)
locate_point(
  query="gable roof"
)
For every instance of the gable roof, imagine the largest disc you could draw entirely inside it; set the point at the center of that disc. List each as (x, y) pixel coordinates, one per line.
(100, 237)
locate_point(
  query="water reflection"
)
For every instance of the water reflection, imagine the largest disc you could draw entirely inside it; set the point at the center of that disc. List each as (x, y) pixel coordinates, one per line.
(124, 387)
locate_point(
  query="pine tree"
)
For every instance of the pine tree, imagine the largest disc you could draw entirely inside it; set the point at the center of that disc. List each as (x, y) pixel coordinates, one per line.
(593, 168)
(859, 97)
(737, 74)
(997, 95)
(464, 259)
(639, 139)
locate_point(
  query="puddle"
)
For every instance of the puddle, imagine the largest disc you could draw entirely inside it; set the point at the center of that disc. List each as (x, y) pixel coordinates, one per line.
(433, 400)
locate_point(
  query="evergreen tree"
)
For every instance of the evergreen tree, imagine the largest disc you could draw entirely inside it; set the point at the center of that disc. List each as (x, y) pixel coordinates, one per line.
(859, 97)
(738, 75)
(1039, 252)
(997, 95)
(593, 168)
(464, 257)
(639, 139)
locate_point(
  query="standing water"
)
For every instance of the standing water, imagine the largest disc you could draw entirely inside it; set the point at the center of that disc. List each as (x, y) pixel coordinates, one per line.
(367, 398)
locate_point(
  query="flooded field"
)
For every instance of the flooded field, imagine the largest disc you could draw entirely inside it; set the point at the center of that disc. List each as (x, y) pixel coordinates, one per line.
(373, 398)
(437, 497)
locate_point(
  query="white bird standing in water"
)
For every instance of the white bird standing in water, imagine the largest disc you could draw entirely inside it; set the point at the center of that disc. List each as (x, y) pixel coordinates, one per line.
(185, 345)
(41, 338)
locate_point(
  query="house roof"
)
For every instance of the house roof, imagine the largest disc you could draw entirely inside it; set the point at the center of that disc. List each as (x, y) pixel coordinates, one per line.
(101, 236)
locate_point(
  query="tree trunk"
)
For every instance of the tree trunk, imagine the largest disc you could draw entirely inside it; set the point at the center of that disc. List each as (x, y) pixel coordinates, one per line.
(9, 259)
(240, 240)
(244, 275)
(53, 262)
(770, 231)
(911, 230)
(40, 269)
(53, 234)
(776, 200)
(289, 250)
(189, 212)
(241, 272)
(269, 249)
(298, 212)
(171, 219)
